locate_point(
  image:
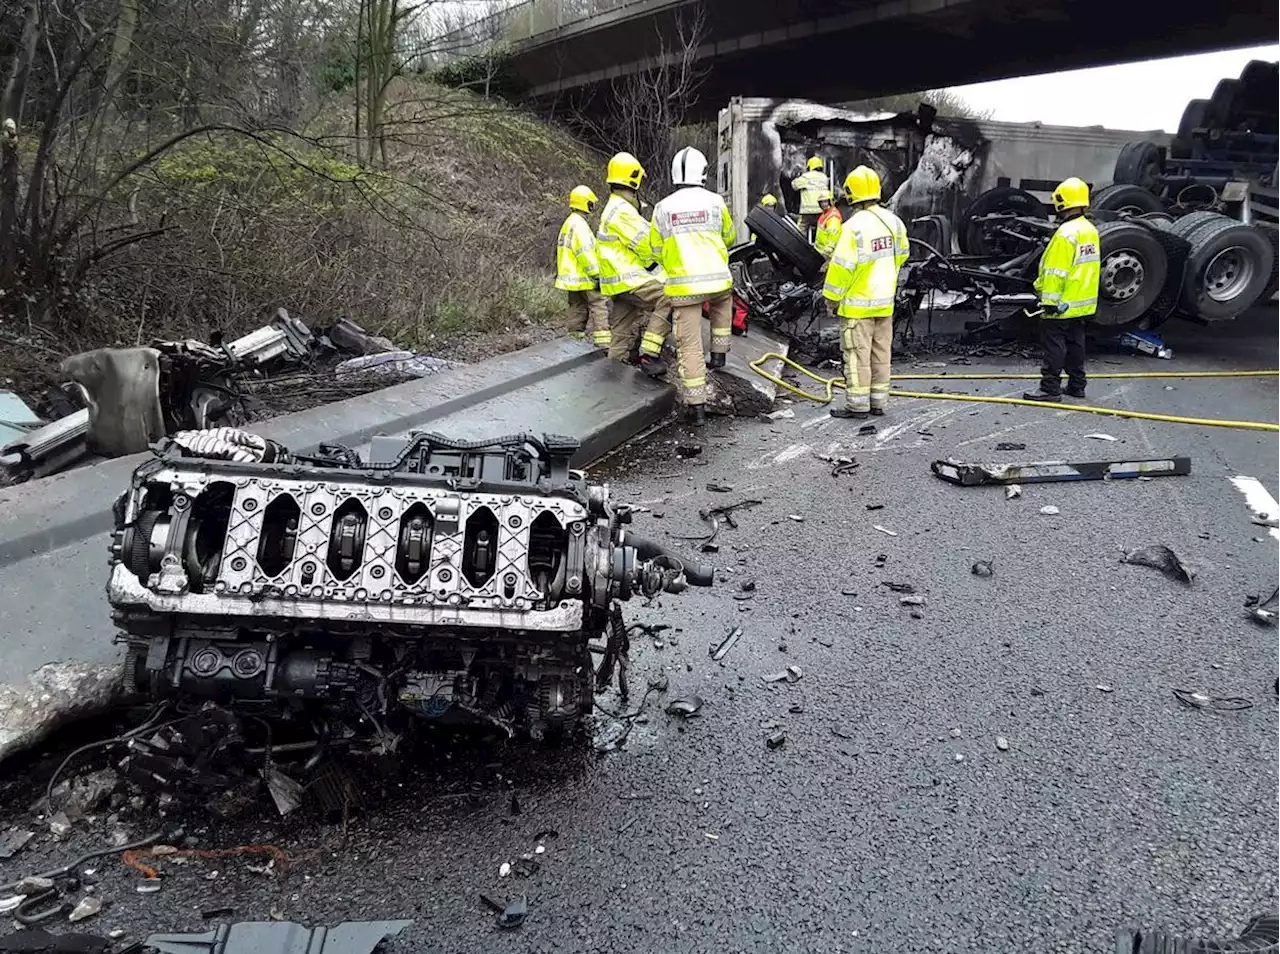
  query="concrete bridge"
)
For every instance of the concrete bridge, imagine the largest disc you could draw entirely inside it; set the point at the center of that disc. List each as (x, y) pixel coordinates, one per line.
(835, 50)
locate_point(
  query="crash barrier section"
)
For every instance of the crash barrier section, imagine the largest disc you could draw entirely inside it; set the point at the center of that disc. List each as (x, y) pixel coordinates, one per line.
(831, 384)
(53, 538)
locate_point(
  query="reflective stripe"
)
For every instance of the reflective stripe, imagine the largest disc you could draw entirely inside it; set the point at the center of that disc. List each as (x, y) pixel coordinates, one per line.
(651, 342)
(867, 302)
(843, 262)
(1080, 303)
(1050, 298)
(1060, 272)
(860, 391)
(879, 389)
(602, 337)
(721, 335)
(700, 382)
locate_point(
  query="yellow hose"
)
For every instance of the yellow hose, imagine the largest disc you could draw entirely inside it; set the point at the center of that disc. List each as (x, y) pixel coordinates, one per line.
(832, 383)
(1113, 375)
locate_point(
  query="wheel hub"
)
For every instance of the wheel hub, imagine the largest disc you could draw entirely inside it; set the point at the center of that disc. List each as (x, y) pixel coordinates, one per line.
(1229, 273)
(1122, 275)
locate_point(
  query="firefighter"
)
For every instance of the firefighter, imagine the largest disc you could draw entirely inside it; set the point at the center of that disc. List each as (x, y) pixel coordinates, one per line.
(578, 270)
(829, 224)
(690, 236)
(628, 273)
(810, 184)
(1068, 287)
(862, 280)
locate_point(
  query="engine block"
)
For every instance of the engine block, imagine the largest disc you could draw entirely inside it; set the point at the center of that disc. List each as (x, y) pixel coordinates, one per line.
(437, 577)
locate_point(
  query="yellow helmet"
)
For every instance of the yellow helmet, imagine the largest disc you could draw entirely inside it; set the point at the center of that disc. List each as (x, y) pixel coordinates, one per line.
(625, 170)
(826, 196)
(862, 185)
(815, 162)
(1071, 194)
(769, 201)
(582, 199)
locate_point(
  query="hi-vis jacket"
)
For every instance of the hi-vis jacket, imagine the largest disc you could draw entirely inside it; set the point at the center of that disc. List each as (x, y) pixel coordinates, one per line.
(622, 244)
(809, 185)
(690, 236)
(577, 268)
(863, 274)
(828, 231)
(1069, 271)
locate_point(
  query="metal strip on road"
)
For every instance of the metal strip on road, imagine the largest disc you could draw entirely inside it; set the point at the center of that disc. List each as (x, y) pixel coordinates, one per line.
(58, 660)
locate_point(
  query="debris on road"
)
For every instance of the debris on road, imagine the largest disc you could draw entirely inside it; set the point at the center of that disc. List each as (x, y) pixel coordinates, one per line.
(1012, 491)
(875, 506)
(1100, 437)
(1162, 558)
(982, 568)
(504, 869)
(1050, 511)
(796, 517)
(720, 488)
(1002, 743)
(1010, 446)
(1194, 699)
(866, 429)
(747, 586)
(975, 475)
(13, 842)
(898, 587)
(791, 674)
(885, 530)
(685, 708)
(688, 450)
(912, 600)
(37, 941)
(782, 414)
(59, 825)
(1104, 688)
(89, 906)
(1260, 611)
(260, 937)
(719, 651)
(777, 740)
(713, 516)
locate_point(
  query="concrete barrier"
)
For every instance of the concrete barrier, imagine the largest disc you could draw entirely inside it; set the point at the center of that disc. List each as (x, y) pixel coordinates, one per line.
(57, 658)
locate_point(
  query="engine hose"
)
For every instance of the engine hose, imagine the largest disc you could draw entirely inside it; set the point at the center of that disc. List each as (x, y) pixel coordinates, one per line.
(831, 384)
(696, 573)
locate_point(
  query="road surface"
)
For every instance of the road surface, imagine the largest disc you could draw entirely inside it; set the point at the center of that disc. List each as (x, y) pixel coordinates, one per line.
(890, 820)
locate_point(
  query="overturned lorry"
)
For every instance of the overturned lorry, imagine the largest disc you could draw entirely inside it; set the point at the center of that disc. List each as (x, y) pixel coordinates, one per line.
(977, 232)
(339, 599)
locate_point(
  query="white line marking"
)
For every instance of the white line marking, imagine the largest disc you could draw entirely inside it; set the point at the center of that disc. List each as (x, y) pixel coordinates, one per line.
(1259, 499)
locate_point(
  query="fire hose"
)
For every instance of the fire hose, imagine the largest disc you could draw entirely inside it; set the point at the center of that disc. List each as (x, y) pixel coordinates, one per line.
(831, 384)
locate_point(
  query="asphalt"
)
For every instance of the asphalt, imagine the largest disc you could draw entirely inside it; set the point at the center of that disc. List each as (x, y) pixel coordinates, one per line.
(889, 821)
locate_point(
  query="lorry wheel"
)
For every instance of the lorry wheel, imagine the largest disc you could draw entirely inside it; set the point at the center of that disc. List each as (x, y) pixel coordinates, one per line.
(1269, 288)
(1260, 936)
(1133, 199)
(782, 236)
(1193, 117)
(972, 238)
(1138, 164)
(1133, 267)
(1229, 265)
(1258, 82)
(1186, 224)
(1223, 105)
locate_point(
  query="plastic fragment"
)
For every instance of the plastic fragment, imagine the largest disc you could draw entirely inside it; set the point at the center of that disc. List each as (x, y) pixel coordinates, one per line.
(685, 708)
(777, 740)
(982, 568)
(885, 530)
(87, 908)
(1100, 437)
(1012, 491)
(1050, 511)
(1162, 558)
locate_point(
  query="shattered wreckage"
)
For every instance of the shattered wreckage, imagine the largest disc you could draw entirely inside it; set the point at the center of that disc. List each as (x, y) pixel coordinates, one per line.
(439, 580)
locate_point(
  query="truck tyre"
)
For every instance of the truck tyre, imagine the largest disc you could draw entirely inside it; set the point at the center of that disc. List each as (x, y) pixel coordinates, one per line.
(1260, 936)
(1133, 199)
(1269, 288)
(1258, 82)
(1138, 164)
(1223, 105)
(1229, 265)
(1000, 199)
(1193, 117)
(1133, 267)
(787, 241)
(1185, 225)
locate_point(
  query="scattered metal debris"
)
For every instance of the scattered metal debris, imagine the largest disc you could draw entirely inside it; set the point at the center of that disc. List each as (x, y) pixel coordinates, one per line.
(719, 651)
(260, 937)
(866, 429)
(1012, 491)
(1194, 699)
(790, 674)
(688, 450)
(782, 414)
(974, 475)
(1010, 446)
(685, 708)
(776, 740)
(1100, 437)
(87, 907)
(1162, 558)
(720, 488)
(911, 600)
(982, 568)
(886, 531)
(899, 587)
(796, 517)
(1104, 688)
(713, 516)
(747, 586)
(13, 842)
(1264, 611)
(286, 793)
(875, 506)
(1050, 510)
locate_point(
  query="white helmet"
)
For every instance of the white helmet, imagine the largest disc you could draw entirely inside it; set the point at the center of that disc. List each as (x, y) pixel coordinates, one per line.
(689, 168)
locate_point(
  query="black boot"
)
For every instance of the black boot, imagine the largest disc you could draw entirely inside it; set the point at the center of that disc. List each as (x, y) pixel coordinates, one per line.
(1074, 392)
(1040, 396)
(696, 415)
(877, 411)
(715, 361)
(653, 365)
(844, 412)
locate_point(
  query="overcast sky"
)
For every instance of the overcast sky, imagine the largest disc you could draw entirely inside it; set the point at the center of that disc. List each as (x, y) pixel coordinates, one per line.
(1146, 95)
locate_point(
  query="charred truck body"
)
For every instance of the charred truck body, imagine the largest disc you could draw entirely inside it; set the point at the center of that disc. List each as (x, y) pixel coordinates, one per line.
(439, 580)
